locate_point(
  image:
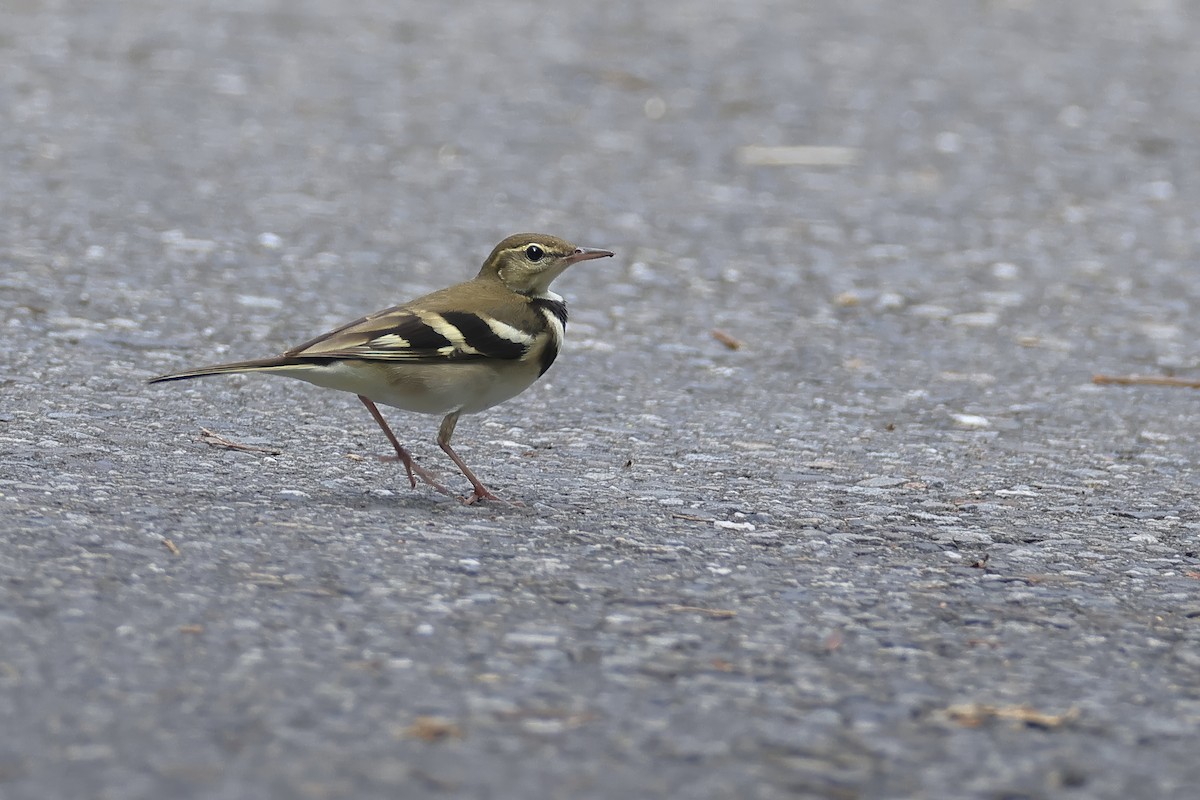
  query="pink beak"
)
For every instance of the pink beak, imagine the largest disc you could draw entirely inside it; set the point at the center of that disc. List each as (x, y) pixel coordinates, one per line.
(587, 254)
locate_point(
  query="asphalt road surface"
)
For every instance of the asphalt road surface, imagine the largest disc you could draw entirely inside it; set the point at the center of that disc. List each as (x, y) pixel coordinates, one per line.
(897, 544)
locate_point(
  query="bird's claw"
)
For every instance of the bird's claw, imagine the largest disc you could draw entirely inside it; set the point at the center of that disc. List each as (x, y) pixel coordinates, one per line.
(481, 493)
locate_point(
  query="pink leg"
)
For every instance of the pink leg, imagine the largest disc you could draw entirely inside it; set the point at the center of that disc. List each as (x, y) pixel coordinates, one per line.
(444, 433)
(414, 470)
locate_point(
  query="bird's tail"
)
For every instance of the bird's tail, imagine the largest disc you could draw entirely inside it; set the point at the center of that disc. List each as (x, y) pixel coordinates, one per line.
(281, 363)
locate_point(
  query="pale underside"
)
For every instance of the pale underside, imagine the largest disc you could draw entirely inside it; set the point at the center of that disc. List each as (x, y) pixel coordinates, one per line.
(424, 388)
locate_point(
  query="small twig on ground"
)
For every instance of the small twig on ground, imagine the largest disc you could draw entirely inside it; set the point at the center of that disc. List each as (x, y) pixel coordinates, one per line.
(719, 613)
(727, 340)
(433, 729)
(1146, 380)
(217, 440)
(972, 715)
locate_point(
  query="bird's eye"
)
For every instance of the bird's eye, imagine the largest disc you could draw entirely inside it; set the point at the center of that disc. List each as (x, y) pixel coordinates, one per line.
(534, 253)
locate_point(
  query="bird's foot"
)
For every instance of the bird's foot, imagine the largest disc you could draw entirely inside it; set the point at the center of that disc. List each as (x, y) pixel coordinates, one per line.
(415, 471)
(481, 493)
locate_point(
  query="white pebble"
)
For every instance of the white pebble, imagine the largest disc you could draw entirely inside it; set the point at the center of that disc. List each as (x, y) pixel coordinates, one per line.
(976, 319)
(1005, 271)
(948, 142)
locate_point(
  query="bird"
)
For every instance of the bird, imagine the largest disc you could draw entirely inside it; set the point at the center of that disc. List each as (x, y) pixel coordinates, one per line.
(455, 351)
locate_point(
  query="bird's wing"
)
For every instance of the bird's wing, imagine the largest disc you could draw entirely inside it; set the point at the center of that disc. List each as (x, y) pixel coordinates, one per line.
(435, 329)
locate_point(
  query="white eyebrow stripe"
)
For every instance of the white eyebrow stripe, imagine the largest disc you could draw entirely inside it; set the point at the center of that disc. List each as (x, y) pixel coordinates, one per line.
(453, 334)
(508, 332)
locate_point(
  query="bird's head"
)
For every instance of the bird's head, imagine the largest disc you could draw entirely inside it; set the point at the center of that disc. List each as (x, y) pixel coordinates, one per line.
(527, 263)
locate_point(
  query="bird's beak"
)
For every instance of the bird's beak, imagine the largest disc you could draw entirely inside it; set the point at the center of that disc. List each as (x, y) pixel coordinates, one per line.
(587, 254)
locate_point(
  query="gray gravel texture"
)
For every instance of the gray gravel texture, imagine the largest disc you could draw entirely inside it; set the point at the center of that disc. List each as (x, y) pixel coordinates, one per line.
(898, 545)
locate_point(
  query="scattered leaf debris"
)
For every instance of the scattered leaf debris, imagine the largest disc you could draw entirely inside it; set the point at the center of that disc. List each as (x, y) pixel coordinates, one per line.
(1146, 380)
(433, 729)
(972, 715)
(729, 341)
(847, 300)
(217, 440)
